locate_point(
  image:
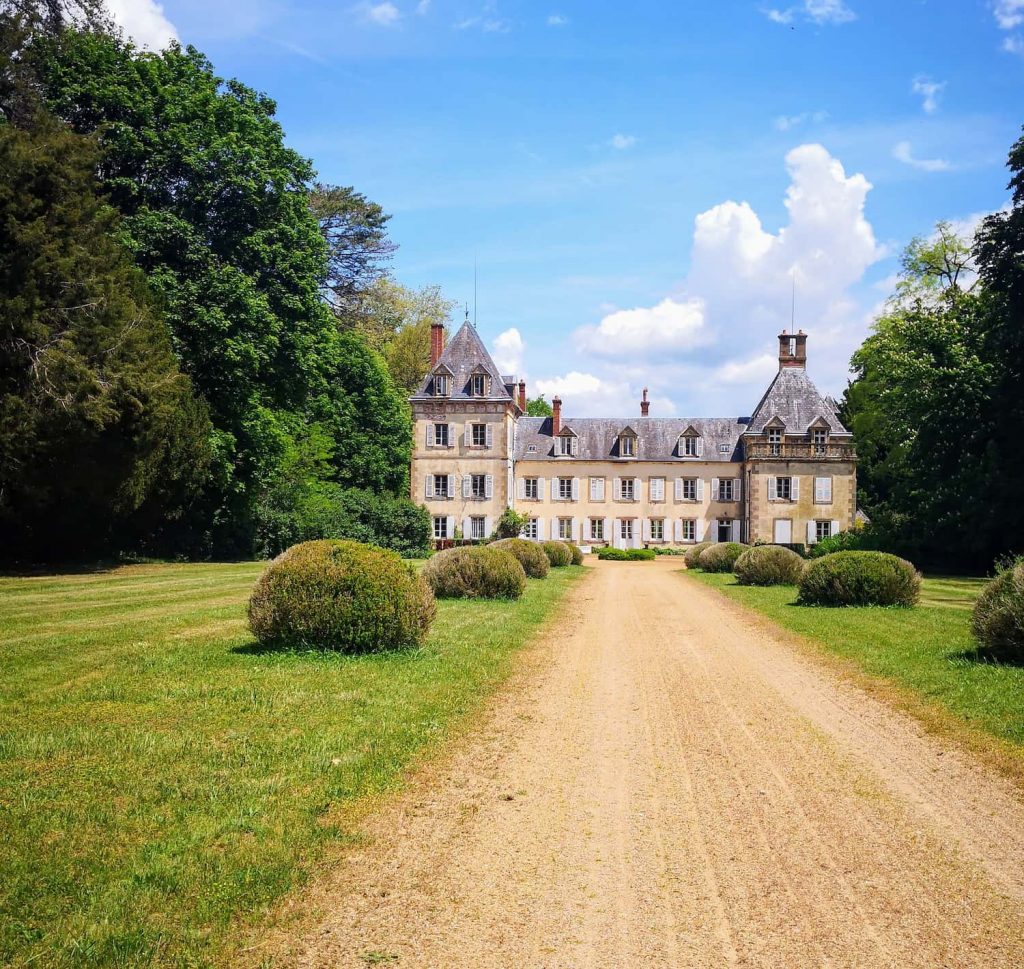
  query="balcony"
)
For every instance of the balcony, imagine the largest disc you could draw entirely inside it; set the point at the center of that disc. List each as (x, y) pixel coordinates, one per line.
(805, 451)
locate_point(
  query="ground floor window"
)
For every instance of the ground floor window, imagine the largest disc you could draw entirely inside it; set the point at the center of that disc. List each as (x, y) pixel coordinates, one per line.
(626, 529)
(725, 529)
(440, 526)
(565, 529)
(689, 530)
(657, 529)
(597, 529)
(530, 529)
(478, 527)
(822, 529)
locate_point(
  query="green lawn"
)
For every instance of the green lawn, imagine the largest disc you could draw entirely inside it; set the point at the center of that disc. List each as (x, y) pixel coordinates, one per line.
(927, 650)
(163, 782)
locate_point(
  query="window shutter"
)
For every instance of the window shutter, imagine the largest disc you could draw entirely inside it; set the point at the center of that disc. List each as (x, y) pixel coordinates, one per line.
(489, 486)
(735, 529)
(810, 533)
(679, 489)
(467, 527)
(428, 487)
(450, 527)
(586, 529)
(823, 490)
(698, 532)
(489, 435)
(520, 488)
(647, 530)
(700, 489)
(677, 530)
(540, 529)
(487, 527)
(773, 491)
(736, 483)
(540, 489)
(794, 487)
(575, 531)
(451, 435)
(430, 435)
(835, 527)
(636, 489)
(554, 490)
(575, 446)
(600, 489)
(575, 490)
(554, 529)
(467, 435)
(714, 489)
(617, 486)
(467, 486)
(700, 447)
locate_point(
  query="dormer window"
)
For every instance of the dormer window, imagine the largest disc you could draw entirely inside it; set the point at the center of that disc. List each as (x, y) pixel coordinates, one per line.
(690, 444)
(478, 385)
(440, 385)
(627, 446)
(819, 438)
(567, 445)
(775, 441)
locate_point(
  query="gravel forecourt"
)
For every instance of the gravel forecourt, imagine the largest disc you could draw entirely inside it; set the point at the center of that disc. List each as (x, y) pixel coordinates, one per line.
(668, 783)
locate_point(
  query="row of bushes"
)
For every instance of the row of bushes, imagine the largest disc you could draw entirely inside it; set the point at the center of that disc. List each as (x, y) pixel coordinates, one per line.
(608, 553)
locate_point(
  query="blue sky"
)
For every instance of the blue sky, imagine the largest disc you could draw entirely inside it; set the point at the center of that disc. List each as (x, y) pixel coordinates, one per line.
(640, 183)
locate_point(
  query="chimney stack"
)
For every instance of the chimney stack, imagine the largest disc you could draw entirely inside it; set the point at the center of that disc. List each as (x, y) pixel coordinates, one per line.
(522, 396)
(645, 405)
(556, 416)
(436, 343)
(793, 349)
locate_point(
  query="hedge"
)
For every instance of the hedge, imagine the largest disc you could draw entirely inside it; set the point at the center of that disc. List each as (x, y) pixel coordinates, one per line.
(859, 579)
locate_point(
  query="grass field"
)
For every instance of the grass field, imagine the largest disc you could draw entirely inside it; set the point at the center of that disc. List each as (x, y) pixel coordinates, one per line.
(163, 782)
(927, 650)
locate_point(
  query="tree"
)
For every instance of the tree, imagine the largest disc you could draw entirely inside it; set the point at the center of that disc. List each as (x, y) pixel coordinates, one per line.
(538, 407)
(100, 434)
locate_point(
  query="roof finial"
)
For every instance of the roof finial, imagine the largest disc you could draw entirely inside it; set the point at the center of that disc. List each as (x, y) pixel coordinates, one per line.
(467, 312)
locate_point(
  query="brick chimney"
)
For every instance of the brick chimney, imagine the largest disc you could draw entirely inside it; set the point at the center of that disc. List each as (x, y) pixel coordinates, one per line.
(645, 405)
(793, 349)
(522, 396)
(436, 343)
(556, 415)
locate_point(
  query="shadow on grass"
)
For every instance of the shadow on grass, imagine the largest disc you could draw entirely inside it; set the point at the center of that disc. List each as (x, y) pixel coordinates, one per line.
(987, 657)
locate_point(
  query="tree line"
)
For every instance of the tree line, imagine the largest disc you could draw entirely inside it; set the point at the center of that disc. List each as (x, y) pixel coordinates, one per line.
(937, 401)
(201, 350)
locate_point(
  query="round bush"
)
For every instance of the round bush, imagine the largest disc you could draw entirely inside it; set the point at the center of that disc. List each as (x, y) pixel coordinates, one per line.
(340, 595)
(475, 572)
(693, 554)
(998, 619)
(768, 565)
(531, 556)
(720, 557)
(859, 579)
(577, 555)
(558, 554)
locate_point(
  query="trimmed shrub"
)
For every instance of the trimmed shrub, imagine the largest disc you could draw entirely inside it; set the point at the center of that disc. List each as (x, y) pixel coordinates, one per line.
(530, 555)
(558, 553)
(475, 572)
(692, 557)
(998, 619)
(768, 565)
(669, 550)
(859, 579)
(342, 595)
(577, 555)
(721, 556)
(626, 554)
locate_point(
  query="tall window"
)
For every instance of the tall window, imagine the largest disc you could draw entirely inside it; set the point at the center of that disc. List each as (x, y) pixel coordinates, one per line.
(565, 489)
(440, 526)
(440, 386)
(690, 446)
(657, 529)
(478, 385)
(478, 486)
(726, 489)
(628, 491)
(479, 435)
(657, 489)
(626, 449)
(822, 529)
(774, 440)
(530, 489)
(441, 486)
(440, 435)
(823, 491)
(725, 529)
(819, 438)
(531, 530)
(689, 489)
(626, 529)
(597, 529)
(784, 489)
(597, 489)
(565, 445)
(689, 530)
(565, 529)
(477, 527)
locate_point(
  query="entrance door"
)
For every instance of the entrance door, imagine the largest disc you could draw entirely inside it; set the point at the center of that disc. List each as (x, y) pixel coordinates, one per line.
(783, 531)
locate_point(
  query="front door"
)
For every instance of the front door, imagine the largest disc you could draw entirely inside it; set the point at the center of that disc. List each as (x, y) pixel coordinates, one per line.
(783, 531)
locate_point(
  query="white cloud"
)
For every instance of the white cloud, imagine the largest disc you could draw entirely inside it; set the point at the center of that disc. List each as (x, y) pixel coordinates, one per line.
(621, 142)
(1008, 13)
(507, 351)
(557, 20)
(143, 21)
(423, 8)
(588, 395)
(788, 122)
(930, 92)
(758, 370)
(488, 20)
(1014, 44)
(814, 11)
(669, 327)
(902, 152)
(382, 14)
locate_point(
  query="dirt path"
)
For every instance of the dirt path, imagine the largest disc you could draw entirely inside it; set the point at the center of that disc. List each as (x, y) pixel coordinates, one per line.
(671, 786)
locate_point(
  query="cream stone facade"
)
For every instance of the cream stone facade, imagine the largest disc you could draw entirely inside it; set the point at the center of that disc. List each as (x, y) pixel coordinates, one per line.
(787, 474)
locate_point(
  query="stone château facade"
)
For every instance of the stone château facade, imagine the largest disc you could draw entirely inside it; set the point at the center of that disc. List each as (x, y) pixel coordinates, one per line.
(787, 474)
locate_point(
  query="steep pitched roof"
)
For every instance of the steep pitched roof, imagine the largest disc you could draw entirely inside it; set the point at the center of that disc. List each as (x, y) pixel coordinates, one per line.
(794, 399)
(464, 355)
(657, 437)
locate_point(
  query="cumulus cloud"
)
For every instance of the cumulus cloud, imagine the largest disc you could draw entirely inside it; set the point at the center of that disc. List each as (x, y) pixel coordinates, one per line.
(507, 350)
(930, 92)
(381, 14)
(1008, 13)
(557, 20)
(758, 370)
(902, 152)
(668, 327)
(488, 20)
(621, 142)
(587, 395)
(143, 21)
(815, 11)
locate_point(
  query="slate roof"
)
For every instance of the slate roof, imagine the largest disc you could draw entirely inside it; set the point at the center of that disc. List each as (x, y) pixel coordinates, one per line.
(463, 355)
(794, 399)
(657, 437)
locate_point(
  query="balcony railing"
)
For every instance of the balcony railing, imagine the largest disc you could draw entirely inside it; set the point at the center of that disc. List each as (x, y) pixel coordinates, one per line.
(803, 452)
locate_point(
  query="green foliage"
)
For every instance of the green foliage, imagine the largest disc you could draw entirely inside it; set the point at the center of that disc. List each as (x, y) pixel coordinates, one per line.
(343, 596)
(100, 433)
(577, 554)
(531, 556)
(768, 565)
(854, 540)
(538, 407)
(692, 556)
(859, 579)
(669, 550)
(998, 618)
(626, 554)
(720, 556)
(558, 553)
(475, 572)
(510, 524)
